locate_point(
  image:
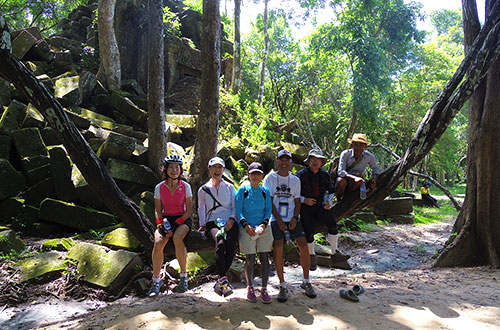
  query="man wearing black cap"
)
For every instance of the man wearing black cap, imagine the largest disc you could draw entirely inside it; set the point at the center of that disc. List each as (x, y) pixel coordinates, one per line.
(316, 195)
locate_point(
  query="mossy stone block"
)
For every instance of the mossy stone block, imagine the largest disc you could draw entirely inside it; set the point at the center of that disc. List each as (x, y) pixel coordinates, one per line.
(5, 146)
(30, 163)
(9, 241)
(22, 43)
(146, 202)
(121, 238)
(45, 264)
(25, 220)
(299, 153)
(103, 267)
(131, 172)
(28, 142)
(12, 181)
(59, 244)
(127, 108)
(74, 216)
(10, 208)
(60, 167)
(187, 123)
(117, 146)
(35, 194)
(12, 117)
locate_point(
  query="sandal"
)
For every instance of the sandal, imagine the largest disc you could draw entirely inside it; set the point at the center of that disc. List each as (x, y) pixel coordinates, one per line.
(349, 295)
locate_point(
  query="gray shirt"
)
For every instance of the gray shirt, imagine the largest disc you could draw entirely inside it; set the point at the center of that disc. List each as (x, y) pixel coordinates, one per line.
(347, 158)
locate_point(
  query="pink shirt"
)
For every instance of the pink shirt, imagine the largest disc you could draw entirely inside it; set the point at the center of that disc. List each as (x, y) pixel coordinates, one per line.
(173, 204)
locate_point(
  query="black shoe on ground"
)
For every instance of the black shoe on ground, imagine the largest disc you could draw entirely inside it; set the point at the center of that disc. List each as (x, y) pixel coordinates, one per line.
(338, 257)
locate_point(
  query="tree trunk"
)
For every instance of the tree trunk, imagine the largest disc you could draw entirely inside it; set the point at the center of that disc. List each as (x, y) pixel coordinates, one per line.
(92, 168)
(208, 119)
(477, 225)
(108, 47)
(156, 88)
(236, 78)
(264, 56)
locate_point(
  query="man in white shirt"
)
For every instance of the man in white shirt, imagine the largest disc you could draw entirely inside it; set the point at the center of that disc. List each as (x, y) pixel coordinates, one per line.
(285, 224)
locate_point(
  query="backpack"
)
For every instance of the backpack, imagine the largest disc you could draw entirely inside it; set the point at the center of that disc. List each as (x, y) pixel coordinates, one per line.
(246, 192)
(209, 193)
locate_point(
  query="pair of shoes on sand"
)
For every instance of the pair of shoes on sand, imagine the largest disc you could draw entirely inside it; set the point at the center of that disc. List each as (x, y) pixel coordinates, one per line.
(352, 295)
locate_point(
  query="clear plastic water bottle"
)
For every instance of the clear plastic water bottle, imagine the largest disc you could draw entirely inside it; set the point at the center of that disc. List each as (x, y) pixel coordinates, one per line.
(166, 225)
(325, 198)
(288, 237)
(362, 191)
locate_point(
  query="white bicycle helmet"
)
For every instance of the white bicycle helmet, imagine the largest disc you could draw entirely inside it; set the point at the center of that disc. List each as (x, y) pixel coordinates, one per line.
(172, 159)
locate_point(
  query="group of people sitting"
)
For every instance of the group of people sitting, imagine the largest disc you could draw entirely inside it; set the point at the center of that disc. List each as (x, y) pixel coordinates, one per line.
(261, 215)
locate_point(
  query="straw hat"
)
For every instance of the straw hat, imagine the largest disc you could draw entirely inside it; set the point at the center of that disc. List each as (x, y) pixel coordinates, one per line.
(358, 137)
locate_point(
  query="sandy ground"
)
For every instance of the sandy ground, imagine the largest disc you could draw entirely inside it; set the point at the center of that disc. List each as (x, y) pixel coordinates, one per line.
(460, 298)
(402, 292)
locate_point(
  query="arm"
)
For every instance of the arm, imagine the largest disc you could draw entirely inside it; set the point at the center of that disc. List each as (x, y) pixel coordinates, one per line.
(304, 199)
(344, 156)
(201, 208)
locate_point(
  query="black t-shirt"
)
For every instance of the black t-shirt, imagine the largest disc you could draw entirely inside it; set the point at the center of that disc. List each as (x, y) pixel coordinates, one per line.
(314, 185)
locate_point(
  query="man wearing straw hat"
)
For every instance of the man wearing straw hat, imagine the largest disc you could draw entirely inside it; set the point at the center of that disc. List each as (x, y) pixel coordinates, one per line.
(316, 196)
(352, 165)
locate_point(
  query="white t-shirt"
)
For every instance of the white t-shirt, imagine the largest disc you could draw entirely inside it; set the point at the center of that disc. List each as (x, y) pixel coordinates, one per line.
(284, 190)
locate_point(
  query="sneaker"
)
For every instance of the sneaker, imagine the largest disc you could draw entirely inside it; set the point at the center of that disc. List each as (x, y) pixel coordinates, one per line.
(226, 288)
(314, 262)
(182, 286)
(283, 295)
(218, 288)
(251, 294)
(155, 289)
(264, 296)
(338, 257)
(309, 289)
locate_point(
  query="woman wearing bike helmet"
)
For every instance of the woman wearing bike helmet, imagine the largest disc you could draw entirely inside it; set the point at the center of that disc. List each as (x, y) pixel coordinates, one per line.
(217, 214)
(173, 207)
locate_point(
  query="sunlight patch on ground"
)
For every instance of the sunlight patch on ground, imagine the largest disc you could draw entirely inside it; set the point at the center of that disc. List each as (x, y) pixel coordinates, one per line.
(443, 318)
(154, 321)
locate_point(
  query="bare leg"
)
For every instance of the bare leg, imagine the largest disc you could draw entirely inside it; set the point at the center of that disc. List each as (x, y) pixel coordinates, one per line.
(278, 259)
(157, 254)
(180, 247)
(305, 261)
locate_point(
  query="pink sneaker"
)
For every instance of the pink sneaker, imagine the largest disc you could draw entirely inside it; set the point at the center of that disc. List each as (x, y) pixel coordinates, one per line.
(251, 294)
(264, 296)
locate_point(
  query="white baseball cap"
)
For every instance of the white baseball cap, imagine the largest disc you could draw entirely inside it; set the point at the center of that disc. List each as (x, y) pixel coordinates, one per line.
(215, 161)
(284, 152)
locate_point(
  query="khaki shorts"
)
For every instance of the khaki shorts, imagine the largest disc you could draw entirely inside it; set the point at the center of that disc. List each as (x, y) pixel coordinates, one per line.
(262, 244)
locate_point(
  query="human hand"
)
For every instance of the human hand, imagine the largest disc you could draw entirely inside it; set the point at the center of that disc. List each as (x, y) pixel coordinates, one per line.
(293, 223)
(250, 230)
(229, 224)
(281, 225)
(309, 201)
(202, 228)
(373, 184)
(327, 205)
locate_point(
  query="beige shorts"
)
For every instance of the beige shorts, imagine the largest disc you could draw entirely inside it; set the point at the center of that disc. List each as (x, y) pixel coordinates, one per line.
(262, 244)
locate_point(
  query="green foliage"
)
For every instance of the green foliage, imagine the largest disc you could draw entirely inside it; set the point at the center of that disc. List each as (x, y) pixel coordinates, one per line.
(426, 215)
(171, 22)
(196, 5)
(13, 255)
(44, 14)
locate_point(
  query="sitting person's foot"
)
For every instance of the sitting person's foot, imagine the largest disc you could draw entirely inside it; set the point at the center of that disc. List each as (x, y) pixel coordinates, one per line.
(226, 288)
(155, 289)
(182, 286)
(339, 256)
(313, 262)
(218, 287)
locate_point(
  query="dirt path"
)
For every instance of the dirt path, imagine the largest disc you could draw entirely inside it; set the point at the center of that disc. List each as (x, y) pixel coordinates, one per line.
(401, 293)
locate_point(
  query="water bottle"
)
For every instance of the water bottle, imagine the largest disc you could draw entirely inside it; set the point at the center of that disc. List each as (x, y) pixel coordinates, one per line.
(221, 222)
(258, 231)
(362, 191)
(325, 198)
(288, 237)
(166, 225)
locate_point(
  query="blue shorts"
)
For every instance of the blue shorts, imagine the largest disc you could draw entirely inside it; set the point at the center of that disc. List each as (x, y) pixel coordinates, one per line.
(296, 232)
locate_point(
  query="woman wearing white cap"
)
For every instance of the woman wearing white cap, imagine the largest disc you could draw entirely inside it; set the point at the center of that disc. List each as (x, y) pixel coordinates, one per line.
(216, 212)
